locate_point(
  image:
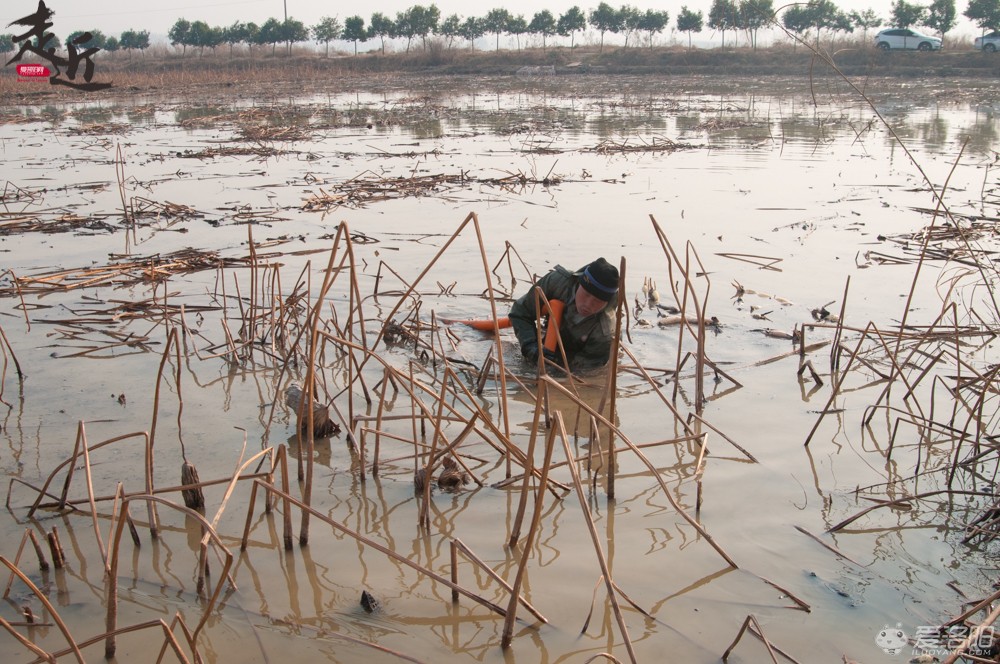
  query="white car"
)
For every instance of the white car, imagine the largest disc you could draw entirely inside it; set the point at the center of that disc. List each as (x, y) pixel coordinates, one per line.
(905, 38)
(988, 42)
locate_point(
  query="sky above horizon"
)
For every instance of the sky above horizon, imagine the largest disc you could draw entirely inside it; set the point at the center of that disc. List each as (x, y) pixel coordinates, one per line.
(113, 17)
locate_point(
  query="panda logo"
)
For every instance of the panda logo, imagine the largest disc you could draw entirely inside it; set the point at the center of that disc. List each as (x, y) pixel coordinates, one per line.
(891, 639)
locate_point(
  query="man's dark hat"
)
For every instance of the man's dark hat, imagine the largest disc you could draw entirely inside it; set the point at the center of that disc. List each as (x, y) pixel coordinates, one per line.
(600, 279)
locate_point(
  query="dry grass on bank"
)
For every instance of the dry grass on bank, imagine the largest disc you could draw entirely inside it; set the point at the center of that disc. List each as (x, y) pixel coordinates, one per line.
(163, 68)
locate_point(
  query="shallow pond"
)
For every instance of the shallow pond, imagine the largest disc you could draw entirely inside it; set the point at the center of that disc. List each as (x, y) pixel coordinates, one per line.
(799, 193)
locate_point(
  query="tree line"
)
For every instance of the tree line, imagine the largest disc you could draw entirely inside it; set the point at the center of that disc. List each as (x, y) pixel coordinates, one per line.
(128, 40)
(818, 15)
(421, 22)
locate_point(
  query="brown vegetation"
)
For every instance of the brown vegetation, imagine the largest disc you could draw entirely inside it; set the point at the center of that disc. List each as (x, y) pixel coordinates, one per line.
(164, 68)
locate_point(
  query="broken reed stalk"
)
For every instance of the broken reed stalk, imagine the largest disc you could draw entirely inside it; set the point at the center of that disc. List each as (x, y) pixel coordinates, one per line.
(799, 603)
(559, 427)
(250, 322)
(280, 459)
(310, 382)
(42, 597)
(378, 429)
(234, 479)
(292, 344)
(631, 602)
(496, 332)
(286, 517)
(29, 535)
(110, 644)
(893, 355)
(938, 207)
(410, 388)
(423, 516)
(471, 217)
(411, 287)
(55, 549)
(701, 337)
(699, 465)
(507, 447)
(973, 637)
(751, 625)
(470, 426)
(975, 411)
(724, 436)
(812, 372)
(507, 251)
(193, 497)
(116, 503)
(120, 174)
(606, 655)
(828, 547)
(904, 500)
(171, 339)
(536, 421)
(28, 645)
(273, 312)
(588, 457)
(120, 493)
(929, 426)
(515, 590)
(837, 381)
(43, 564)
(457, 545)
(611, 387)
(974, 609)
(352, 365)
(3, 372)
(897, 368)
(653, 471)
(594, 442)
(13, 356)
(81, 447)
(689, 292)
(16, 283)
(61, 500)
(485, 371)
(378, 547)
(378, 280)
(838, 332)
(354, 306)
(453, 550)
(593, 601)
(655, 385)
(168, 639)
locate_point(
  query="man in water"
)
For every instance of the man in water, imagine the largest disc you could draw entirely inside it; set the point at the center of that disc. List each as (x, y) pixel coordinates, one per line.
(587, 325)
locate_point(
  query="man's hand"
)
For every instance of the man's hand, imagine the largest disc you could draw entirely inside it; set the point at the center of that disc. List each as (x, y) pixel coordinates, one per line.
(530, 351)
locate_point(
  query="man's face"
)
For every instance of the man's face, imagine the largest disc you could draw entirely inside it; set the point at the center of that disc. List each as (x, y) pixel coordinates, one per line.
(587, 304)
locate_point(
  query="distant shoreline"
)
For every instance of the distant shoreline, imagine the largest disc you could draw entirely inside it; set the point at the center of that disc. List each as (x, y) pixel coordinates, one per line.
(172, 72)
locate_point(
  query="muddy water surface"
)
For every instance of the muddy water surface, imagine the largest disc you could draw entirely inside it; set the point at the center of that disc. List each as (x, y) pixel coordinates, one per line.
(795, 193)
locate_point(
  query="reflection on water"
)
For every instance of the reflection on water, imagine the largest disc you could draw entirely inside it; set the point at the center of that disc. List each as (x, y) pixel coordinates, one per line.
(913, 113)
(185, 113)
(786, 190)
(94, 115)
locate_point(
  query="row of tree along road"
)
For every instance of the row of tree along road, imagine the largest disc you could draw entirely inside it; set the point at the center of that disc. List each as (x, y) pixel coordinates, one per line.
(805, 20)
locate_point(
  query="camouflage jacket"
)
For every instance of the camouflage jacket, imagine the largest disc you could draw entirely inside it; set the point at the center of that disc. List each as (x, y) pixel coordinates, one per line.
(587, 339)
